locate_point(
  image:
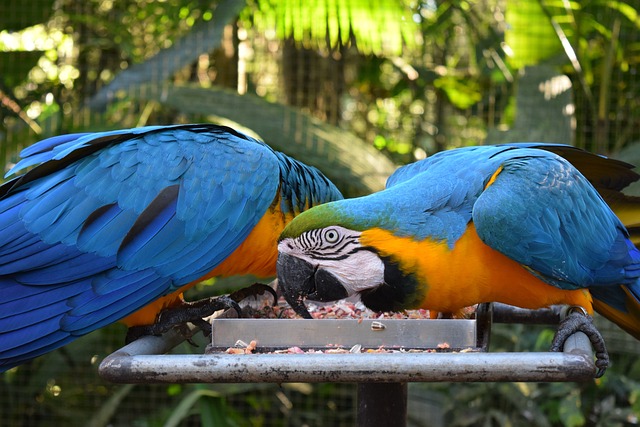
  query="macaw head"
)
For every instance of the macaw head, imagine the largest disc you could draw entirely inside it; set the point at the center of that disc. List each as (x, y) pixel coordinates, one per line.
(326, 254)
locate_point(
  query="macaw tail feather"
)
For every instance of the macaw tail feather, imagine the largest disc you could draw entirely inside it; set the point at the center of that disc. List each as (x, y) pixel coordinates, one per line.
(622, 307)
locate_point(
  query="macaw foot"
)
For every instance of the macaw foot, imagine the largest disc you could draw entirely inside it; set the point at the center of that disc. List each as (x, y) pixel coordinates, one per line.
(193, 312)
(579, 321)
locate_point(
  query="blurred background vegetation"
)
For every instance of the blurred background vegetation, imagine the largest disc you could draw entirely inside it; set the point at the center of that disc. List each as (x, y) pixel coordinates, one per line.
(354, 87)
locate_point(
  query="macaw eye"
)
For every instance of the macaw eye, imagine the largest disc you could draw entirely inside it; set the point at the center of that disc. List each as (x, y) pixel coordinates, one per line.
(331, 235)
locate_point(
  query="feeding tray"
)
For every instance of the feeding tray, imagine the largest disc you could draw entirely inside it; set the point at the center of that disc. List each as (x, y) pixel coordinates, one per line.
(324, 334)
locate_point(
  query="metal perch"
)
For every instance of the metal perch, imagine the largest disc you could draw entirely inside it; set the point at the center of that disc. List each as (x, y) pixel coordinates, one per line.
(144, 361)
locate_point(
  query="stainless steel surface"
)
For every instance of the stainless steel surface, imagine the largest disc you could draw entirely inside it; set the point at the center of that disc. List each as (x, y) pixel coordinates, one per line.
(332, 333)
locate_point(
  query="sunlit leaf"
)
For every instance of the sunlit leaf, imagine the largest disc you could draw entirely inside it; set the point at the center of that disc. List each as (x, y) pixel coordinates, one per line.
(530, 36)
(463, 93)
(631, 13)
(382, 27)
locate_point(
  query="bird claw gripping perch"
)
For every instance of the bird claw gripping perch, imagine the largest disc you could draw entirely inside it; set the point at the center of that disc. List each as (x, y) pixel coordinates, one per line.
(196, 311)
(193, 312)
(577, 320)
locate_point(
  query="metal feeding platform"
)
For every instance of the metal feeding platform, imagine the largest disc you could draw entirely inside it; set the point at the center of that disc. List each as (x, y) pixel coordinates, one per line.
(426, 351)
(351, 350)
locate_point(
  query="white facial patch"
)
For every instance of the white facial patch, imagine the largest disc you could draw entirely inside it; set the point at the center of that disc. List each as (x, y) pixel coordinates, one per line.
(360, 271)
(338, 251)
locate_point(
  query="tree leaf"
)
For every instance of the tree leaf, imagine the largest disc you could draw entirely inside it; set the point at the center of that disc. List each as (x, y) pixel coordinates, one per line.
(570, 412)
(103, 416)
(530, 35)
(631, 13)
(381, 28)
(182, 410)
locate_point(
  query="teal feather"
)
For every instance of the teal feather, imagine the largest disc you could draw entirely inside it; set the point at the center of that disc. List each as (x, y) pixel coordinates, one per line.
(540, 211)
(104, 223)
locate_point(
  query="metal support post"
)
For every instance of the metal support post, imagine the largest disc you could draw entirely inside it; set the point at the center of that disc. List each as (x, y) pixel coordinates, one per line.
(382, 404)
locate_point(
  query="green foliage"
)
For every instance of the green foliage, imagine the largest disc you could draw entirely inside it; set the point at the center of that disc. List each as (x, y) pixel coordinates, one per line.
(609, 401)
(383, 27)
(178, 52)
(145, 27)
(212, 409)
(530, 26)
(584, 38)
(463, 93)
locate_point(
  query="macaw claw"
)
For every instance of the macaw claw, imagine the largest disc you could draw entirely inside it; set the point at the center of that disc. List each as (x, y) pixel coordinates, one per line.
(193, 312)
(252, 291)
(577, 320)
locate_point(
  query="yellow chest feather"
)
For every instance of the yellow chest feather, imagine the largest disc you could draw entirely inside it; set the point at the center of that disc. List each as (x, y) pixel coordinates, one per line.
(469, 273)
(256, 255)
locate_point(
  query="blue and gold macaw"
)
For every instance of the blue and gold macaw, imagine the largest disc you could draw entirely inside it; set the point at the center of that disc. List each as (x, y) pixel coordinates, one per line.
(516, 224)
(104, 224)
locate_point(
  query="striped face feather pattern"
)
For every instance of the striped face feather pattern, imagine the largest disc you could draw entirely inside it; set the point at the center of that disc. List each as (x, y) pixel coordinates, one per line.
(332, 243)
(339, 252)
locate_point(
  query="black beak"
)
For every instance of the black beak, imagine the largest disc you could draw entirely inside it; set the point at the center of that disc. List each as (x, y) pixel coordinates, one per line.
(298, 279)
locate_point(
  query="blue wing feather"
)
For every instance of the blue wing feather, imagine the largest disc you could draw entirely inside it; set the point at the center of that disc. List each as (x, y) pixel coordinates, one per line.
(23, 299)
(82, 322)
(68, 267)
(601, 171)
(578, 243)
(514, 199)
(73, 248)
(540, 211)
(35, 340)
(46, 145)
(101, 233)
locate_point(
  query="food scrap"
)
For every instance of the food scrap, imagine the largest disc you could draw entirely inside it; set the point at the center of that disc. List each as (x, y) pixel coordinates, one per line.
(242, 348)
(344, 309)
(340, 310)
(356, 349)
